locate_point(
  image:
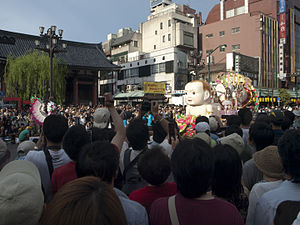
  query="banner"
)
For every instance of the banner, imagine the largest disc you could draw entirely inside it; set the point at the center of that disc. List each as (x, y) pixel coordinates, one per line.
(154, 88)
(282, 6)
(282, 26)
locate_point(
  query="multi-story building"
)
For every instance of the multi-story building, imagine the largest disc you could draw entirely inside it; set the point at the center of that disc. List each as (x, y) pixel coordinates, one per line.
(251, 28)
(167, 37)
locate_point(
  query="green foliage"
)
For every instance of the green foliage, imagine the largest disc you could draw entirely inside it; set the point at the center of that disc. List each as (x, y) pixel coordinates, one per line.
(285, 97)
(28, 75)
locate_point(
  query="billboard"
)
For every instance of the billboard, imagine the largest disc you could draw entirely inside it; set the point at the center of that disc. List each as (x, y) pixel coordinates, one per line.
(282, 6)
(154, 88)
(282, 26)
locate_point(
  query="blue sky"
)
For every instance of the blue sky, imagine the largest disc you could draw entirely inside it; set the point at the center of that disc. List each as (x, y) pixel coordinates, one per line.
(85, 21)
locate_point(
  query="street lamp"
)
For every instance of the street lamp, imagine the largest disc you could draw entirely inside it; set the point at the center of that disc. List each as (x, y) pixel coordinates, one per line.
(209, 54)
(51, 47)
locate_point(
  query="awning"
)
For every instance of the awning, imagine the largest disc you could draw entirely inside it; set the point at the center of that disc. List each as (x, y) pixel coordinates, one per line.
(133, 94)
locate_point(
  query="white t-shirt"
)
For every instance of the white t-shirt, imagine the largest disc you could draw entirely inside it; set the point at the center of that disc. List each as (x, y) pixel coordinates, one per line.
(38, 158)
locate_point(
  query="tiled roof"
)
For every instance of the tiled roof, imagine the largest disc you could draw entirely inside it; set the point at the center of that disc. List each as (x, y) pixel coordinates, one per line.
(124, 39)
(213, 15)
(82, 55)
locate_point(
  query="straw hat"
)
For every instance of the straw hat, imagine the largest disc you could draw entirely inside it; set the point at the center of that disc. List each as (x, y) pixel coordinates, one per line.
(268, 161)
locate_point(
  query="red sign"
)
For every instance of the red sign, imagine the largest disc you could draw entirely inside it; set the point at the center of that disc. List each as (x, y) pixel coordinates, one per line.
(282, 25)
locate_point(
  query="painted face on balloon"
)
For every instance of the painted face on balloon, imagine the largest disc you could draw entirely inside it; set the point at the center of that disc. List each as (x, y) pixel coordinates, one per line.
(195, 94)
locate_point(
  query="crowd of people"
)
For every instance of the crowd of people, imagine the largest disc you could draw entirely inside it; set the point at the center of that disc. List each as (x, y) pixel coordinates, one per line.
(123, 165)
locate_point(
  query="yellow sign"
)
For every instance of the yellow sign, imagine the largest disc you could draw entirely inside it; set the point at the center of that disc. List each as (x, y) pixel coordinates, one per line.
(154, 88)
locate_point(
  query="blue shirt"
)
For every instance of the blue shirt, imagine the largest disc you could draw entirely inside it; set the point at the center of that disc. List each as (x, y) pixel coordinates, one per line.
(266, 207)
(135, 213)
(150, 118)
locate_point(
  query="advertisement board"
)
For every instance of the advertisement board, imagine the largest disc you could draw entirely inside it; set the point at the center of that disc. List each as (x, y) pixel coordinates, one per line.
(282, 6)
(282, 26)
(154, 88)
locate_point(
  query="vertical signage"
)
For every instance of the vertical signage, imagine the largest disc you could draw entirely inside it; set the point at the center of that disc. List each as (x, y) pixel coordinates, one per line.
(282, 26)
(282, 6)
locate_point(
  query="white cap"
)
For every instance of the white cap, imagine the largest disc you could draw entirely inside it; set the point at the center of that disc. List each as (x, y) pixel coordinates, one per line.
(235, 141)
(21, 196)
(101, 117)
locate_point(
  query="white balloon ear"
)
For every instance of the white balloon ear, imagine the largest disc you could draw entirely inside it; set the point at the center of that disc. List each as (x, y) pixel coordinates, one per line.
(206, 95)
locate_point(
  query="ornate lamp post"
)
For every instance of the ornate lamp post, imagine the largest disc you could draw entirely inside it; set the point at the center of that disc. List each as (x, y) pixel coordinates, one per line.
(208, 55)
(51, 47)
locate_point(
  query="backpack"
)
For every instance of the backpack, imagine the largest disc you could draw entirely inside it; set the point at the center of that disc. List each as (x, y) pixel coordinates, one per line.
(132, 180)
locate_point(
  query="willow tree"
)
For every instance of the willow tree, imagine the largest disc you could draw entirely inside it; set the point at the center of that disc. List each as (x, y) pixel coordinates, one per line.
(28, 75)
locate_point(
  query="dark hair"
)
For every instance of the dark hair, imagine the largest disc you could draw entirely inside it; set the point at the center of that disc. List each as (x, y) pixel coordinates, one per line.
(102, 134)
(233, 120)
(192, 164)
(54, 127)
(154, 166)
(234, 129)
(75, 138)
(159, 133)
(202, 119)
(262, 118)
(261, 134)
(84, 201)
(289, 115)
(289, 150)
(227, 174)
(246, 116)
(99, 159)
(286, 124)
(137, 134)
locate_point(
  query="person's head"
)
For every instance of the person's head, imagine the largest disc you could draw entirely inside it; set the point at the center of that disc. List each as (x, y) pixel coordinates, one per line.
(21, 195)
(228, 172)
(198, 92)
(234, 129)
(4, 154)
(261, 135)
(268, 162)
(202, 127)
(202, 119)
(235, 141)
(289, 151)
(246, 116)
(233, 120)
(86, 200)
(101, 118)
(154, 166)
(137, 134)
(276, 118)
(75, 138)
(54, 128)
(24, 147)
(262, 118)
(213, 124)
(99, 159)
(192, 164)
(159, 134)
(289, 115)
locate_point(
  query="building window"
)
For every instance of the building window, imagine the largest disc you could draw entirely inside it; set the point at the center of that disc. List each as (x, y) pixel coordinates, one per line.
(188, 39)
(209, 35)
(154, 47)
(163, 58)
(169, 23)
(164, 38)
(161, 25)
(135, 43)
(222, 49)
(154, 60)
(162, 67)
(235, 30)
(169, 37)
(154, 69)
(236, 47)
(222, 33)
(155, 32)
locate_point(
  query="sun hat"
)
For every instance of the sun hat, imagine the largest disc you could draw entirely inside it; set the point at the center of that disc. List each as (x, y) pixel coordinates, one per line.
(235, 141)
(21, 196)
(268, 161)
(101, 117)
(202, 127)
